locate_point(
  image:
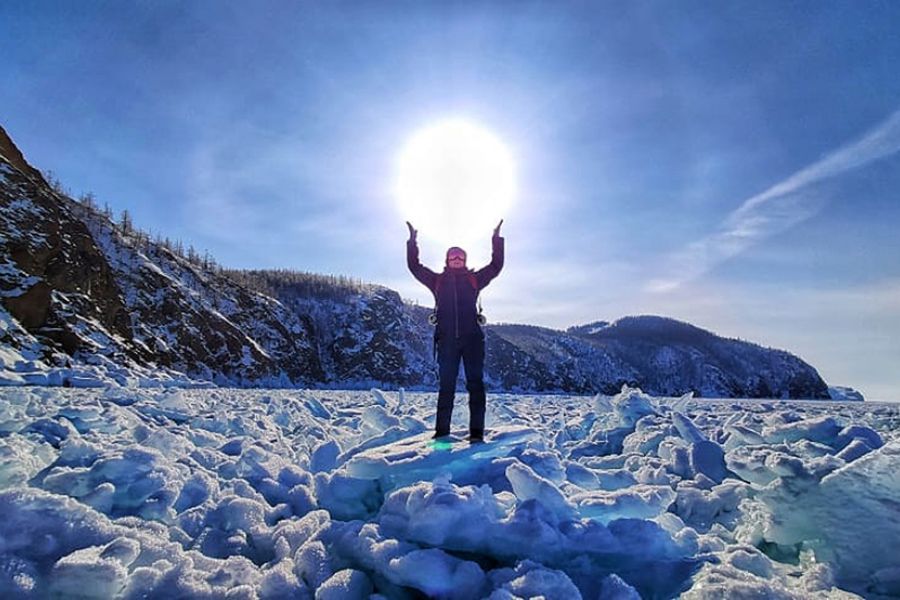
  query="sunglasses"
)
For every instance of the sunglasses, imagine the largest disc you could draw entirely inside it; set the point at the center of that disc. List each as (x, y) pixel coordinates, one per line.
(456, 257)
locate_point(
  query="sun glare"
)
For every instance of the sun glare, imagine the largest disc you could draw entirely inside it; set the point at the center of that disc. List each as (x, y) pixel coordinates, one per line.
(455, 181)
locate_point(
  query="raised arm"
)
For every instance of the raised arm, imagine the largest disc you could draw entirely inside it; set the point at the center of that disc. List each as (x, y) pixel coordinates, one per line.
(485, 274)
(425, 275)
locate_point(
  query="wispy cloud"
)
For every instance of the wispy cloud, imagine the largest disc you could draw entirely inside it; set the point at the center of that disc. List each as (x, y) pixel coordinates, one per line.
(261, 196)
(778, 208)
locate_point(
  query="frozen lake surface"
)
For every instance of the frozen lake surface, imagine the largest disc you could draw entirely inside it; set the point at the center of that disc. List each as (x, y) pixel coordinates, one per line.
(219, 493)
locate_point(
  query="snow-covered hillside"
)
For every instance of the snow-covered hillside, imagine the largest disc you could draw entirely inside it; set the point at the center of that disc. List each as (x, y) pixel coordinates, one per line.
(330, 494)
(661, 355)
(88, 301)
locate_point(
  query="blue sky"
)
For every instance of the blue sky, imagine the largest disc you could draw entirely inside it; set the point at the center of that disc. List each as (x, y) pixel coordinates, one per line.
(734, 165)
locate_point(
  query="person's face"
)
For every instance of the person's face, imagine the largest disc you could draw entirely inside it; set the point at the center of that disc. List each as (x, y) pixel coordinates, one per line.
(456, 259)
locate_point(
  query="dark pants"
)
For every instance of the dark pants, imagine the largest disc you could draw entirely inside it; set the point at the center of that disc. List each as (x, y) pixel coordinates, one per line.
(449, 351)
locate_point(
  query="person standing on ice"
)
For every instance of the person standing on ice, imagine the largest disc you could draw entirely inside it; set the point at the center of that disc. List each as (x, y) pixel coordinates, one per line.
(458, 334)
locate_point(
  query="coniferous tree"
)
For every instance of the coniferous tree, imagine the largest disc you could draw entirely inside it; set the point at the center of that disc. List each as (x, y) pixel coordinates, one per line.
(54, 182)
(89, 201)
(125, 223)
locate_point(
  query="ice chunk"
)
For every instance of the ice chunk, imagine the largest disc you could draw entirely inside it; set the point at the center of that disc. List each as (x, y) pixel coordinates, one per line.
(602, 404)
(582, 476)
(750, 464)
(858, 432)
(54, 432)
(872, 481)
(702, 506)
(544, 463)
(145, 482)
(86, 574)
(741, 435)
(717, 581)
(614, 588)
(234, 513)
(316, 408)
(42, 527)
(101, 498)
(438, 574)
(639, 501)
(602, 442)
(301, 499)
(680, 459)
(312, 563)
(630, 405)
(22, 458)
(419, 458)
(378, 397)
(686, 428)
(681, 404)
(324, 457)
(431, 571)
(708, 458)
(854, 450)
(296, 532)
(279, 581)
(469, 519)
(236, 526)
(528, 485)
(441, 514)
(123, 550)
(750, 559)
(818, 429)
(347, 497)
(375, 420)
(615, 479)
(643, 441)
(532, 580)
(196, 490)
(841, 531)
(346, 584)
(233, 447)
(409, 427)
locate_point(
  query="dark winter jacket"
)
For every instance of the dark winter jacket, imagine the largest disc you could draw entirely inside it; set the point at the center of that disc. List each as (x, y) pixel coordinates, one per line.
(456, 290)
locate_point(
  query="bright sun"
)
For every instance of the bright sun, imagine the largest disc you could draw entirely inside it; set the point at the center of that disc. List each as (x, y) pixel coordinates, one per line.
(455, 181)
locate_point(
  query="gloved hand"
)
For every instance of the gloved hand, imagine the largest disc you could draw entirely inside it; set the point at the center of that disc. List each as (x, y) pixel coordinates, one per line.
(412, 232)
(496, 229)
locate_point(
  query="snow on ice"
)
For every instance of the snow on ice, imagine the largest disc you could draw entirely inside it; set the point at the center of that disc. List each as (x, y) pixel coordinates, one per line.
(162, 493)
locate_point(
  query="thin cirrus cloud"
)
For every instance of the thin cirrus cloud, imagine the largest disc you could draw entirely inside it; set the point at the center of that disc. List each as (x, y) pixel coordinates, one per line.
(778, 208)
